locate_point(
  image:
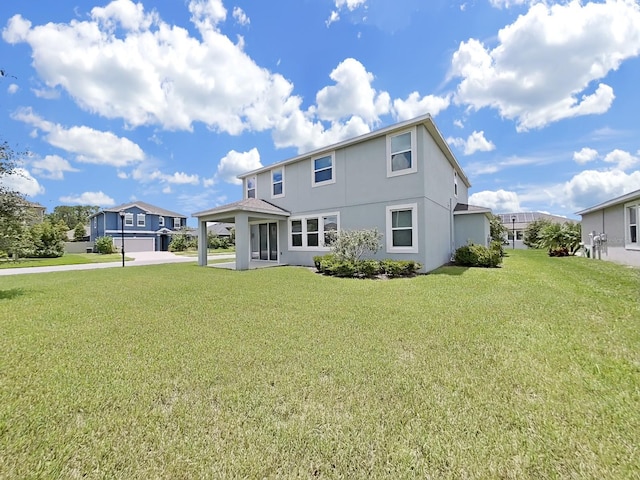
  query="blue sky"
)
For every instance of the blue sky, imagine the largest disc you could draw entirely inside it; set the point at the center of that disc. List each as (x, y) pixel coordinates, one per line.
(166, 102)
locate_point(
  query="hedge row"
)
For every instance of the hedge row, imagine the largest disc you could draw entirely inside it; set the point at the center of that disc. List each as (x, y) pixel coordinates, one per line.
(478, 256)
(331, 265)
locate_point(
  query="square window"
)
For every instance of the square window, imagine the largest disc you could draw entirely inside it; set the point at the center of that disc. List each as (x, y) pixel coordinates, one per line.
(401, 153)
(323, 170)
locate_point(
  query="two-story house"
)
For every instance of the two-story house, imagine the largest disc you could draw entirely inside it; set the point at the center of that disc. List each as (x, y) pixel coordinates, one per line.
(403, 180)
(146, 228)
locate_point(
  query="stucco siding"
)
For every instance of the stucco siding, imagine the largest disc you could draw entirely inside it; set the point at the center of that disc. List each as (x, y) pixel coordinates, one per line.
(611, 222)
(471, 229)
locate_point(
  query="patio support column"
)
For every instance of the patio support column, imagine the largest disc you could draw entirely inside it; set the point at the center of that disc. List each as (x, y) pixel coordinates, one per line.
(202, 243)
(242, 241)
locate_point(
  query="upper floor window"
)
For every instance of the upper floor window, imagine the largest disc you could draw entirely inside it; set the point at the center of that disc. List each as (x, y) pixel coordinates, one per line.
(632, 212)
(251, 187)
(128, 219)
(401, 154)
(161, 221)
(141, 219)
(95, 222)
(177, 222)
(323, 170)
(277, 182)
(402, 228)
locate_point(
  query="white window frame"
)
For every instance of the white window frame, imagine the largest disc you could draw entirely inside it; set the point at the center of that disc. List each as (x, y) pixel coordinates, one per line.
(178, 221)
(274, 183)
(333, 170)
(414, 156)
(322, 247)
(628, 244)
(414, 228)
(128, 219)
(247, 189)
(95, 222)
(161, 221)
(455, 183)
(143, 217)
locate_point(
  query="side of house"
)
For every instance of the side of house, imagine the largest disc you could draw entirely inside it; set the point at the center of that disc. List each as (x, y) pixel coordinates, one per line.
(402, 180)
(145, 227)
(610, 229)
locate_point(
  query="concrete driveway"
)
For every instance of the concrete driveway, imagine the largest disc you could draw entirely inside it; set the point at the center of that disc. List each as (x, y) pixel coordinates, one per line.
(139, 259)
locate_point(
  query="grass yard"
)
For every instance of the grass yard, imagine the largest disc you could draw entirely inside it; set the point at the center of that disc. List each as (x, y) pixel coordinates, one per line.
(66, 259)
(178, 371)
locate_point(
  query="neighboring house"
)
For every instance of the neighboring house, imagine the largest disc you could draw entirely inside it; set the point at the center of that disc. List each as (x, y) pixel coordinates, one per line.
(36, 212)
(222, 230)
(403, 180)
(610, 229)
(146, 227)
(517, 223)
(71, 234)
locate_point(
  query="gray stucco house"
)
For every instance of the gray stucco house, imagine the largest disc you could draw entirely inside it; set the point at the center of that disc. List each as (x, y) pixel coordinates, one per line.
(147, 228)
(610, 229)
(403, 180)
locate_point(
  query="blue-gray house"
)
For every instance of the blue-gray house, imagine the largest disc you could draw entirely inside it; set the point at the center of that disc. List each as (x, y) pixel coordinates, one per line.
(147, 228)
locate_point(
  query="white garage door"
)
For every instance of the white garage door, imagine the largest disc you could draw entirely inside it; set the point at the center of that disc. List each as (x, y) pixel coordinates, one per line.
(136, 244)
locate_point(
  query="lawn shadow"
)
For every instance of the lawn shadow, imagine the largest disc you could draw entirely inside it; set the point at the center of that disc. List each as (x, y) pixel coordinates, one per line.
(452, 270)
(11, 293)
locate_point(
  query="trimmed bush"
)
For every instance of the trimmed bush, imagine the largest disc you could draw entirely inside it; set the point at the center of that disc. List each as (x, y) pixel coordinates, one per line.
(477, 256)
(368, 268)
(105, 245)
(331, 265)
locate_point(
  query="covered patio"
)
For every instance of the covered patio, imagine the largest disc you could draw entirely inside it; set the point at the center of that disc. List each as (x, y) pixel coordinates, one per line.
(257, 226)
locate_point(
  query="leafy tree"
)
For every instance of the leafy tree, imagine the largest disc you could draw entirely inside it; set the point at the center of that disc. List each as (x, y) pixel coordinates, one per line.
(14, 211)
(561, 240)
(79, 233)
(47, 239)
(497, 230)
(351, 245)
(73, 215)
(532, 234)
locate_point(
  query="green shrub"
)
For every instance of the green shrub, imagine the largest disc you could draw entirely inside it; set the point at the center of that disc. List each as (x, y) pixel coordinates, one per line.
(178, 243)
(477, 256)
(105, 245)
(367, 268)
(496, 246)
(343, 268)
(400, 268)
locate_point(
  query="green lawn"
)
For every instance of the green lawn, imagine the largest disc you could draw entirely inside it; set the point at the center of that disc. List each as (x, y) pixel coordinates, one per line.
(178, 371)
(66, 259)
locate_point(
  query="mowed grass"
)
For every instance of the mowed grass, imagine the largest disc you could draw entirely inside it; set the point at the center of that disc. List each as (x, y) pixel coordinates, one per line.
(66, 259)
(178, 371)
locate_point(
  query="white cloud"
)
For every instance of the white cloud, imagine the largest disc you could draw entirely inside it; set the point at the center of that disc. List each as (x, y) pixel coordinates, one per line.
(89, 198)
(547, 63)
(334, 17)
(592, 187)
(21, 181)
(458, 123)
(352, 95)
(234, 163)
(350, 4)
(147, 173)
(13, 88)
(498, 201)
(415, 106)
(240, 16)
(53, 167)
(474, 143)
(621, 159)
(89, 145)
(585, 155)
(508, 3)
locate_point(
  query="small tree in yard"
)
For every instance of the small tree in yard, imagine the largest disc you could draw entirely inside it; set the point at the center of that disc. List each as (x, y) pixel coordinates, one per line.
(79, 233)
(351, 245)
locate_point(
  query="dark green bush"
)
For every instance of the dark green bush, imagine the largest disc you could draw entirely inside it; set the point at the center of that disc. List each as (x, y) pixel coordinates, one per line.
(368, 268)
(477, 256)
(344, 268)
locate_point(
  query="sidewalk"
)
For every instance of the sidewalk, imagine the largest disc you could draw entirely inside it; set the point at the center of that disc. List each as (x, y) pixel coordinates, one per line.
(139, 258)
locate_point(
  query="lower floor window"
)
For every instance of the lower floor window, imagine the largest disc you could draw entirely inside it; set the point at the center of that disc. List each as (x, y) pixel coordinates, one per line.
(402, 232)
(313, 232)
(631, 221)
